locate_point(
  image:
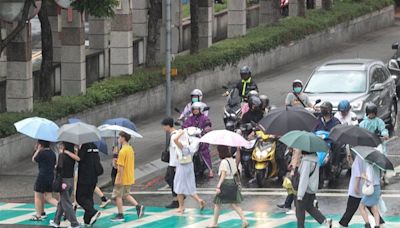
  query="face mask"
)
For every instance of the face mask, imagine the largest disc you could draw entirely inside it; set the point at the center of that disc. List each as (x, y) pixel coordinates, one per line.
(324, 112)
(297, 89)
(195, 99)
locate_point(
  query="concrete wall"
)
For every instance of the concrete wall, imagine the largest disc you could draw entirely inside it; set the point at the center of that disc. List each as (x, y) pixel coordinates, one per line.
(18, 147)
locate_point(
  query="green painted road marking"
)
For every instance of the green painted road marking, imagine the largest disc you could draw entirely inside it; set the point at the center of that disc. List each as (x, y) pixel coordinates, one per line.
(238, 223)
(32, 206)
(174, 221)
(7, 214)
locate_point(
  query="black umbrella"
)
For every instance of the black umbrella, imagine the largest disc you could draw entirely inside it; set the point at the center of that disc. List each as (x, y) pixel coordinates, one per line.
(354, 136)
(285, 119)
(374, 157)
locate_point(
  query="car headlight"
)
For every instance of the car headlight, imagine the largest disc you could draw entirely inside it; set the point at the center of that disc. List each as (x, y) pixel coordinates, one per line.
(357, 106)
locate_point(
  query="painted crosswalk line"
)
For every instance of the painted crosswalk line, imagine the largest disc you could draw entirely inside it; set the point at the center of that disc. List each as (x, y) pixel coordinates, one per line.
(12, 213)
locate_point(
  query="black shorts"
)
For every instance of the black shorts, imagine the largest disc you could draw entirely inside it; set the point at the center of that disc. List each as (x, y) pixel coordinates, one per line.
(43, 186)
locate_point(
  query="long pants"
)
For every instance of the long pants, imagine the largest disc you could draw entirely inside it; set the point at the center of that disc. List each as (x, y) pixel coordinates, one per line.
(84, 197)
(351, 209)
(65, 204)
(289, 200)
(307, 204)
(169, 178)
(280, 159)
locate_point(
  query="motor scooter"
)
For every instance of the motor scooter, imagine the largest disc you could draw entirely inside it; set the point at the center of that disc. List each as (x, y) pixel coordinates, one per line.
(232, 109)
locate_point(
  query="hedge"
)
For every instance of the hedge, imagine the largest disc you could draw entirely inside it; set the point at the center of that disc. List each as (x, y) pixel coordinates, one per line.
(258, 40)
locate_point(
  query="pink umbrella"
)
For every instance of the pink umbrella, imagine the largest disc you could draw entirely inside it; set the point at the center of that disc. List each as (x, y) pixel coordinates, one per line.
(224, 137)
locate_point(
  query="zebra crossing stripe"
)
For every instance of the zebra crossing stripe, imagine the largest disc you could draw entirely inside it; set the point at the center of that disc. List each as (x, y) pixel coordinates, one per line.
(8, 206)
(26, 216)
(146, 220)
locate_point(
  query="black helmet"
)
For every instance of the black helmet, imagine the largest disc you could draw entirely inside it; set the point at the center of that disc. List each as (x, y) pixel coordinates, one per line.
(245, 70)
(254, 101)
(265, 101)
(326, 106)
(371, 108)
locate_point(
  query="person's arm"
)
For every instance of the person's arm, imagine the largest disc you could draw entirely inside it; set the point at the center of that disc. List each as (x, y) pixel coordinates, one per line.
(36, 156)
(304, 179)
(221, 180)
(383, 130)
(288, 100)
(177, 138)
(72, 155)
(120, 167)
(357, 185)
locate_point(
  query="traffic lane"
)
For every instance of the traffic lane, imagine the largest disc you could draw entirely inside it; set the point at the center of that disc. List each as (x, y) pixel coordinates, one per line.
(275, 84)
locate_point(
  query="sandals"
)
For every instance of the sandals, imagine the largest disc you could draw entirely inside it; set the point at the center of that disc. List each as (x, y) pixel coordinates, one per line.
(245, 224)
(36, 218)
(202, 205)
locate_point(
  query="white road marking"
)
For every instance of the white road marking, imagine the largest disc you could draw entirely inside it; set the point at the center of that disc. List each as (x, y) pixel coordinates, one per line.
(25, 217)
(208, 222)
(9, 206)
(146, 220)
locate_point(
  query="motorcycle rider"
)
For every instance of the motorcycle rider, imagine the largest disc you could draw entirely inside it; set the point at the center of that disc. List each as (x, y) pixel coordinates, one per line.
(199, 120)
(247, 83)
(255, 114)
(297, 98)
(326, 122)
(195, 96)
(345, 115)
(265, 104)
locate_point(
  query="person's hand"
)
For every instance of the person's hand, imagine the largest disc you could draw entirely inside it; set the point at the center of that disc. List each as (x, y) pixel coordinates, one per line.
(349, 159)
(385, 138)
(118, 182)
(218, 191)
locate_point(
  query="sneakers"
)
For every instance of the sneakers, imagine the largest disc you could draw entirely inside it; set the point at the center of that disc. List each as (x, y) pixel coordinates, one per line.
(140, 211)
(53, 224)
(118, 218)
(174, 204)
(44, 215)
(290, 212)
(105, 203)
(95, 217)
(283, 206)
(328, 223)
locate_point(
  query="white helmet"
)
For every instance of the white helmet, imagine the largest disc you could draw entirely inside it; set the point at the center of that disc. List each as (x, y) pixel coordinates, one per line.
(196, 92)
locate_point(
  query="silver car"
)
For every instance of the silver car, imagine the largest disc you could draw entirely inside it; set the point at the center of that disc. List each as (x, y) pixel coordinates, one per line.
(359, 81)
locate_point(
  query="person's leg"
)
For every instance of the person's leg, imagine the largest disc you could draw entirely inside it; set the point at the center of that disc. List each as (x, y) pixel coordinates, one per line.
(181, 201)
(38, 204)
(300, 213)
(131, 200)
(351, 209)
(205, 154)
(48, 196)
(312, 210)
(120, 205)
(84, 195)
(239, 211)
(217, 211)
(169, 178)
(363, 213)
(289, 200)
(375, 213)
(381, 221)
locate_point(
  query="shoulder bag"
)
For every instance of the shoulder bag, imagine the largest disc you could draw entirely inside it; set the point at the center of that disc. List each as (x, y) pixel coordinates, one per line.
(57, 182)
(229, 192)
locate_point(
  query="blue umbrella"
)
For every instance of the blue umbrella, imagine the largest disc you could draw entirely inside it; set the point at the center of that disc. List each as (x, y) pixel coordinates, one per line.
(123, 122)
(101, 145)
(38, 128)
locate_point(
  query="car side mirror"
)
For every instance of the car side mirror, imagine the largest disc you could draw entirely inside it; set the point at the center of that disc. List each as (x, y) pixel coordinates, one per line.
(377, 87)
(395, 46)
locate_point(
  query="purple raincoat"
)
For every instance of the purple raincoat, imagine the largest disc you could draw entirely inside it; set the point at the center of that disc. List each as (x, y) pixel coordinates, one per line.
(203, 122)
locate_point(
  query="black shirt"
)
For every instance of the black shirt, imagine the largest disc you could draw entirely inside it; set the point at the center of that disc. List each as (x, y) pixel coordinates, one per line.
(67, 166)
(251, 115)
(89, 154)
(46, 160)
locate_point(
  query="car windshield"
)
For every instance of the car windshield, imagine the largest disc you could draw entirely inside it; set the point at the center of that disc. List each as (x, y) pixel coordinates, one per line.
(337, 81)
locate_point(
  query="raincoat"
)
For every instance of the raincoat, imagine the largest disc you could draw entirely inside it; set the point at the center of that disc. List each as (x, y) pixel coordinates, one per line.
(188, 110)
(201, 121)
(375, 125)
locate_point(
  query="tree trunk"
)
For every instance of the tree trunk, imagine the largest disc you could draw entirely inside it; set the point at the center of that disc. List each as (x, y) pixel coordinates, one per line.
(276, 7)
(46, 69)
(154, 25)
(194, 26)
(326, 4)
(21, 25)
(301, 7)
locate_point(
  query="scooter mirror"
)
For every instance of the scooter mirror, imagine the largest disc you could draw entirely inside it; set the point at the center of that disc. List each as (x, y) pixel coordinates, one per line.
(177, 110)
(318, 101)
(225, 87)
(206, 109)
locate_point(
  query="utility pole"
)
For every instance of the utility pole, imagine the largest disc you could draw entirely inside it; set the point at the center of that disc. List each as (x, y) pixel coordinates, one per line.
(168, 56)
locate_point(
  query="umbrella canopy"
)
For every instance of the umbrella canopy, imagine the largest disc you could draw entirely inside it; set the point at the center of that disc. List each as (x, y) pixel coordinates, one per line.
(304, 141)
(78, 133)
(224, 137)
(285, 119)
(109, 131)
(101, 145)
(38, 128)
(374, 157)
(123, 122)
(354, 136)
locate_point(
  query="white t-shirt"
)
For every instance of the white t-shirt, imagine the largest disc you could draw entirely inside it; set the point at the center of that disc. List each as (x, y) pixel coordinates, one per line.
(357, 169)
(224, 166)
(173, 160)
(373, 174)
(350, 119)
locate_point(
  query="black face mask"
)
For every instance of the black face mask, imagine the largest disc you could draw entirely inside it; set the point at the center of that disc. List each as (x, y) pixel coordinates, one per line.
(324, 112)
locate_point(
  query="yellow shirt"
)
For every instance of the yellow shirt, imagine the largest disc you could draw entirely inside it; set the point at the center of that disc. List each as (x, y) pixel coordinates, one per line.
(126, 159)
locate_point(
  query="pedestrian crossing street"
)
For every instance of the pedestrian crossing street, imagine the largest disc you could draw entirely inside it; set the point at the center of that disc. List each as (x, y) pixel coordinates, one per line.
(20, 213)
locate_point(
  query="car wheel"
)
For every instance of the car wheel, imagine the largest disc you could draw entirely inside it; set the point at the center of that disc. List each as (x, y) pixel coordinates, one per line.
(393, 116)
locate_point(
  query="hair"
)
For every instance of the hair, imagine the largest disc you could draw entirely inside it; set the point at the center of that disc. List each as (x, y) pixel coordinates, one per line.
(69, 146)
(44, 144)
(223, 152)
(125, 135)
(168, 122)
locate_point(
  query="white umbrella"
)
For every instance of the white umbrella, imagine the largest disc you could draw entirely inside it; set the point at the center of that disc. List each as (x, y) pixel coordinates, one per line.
(224, 137)
(78, 133)
(109, 131)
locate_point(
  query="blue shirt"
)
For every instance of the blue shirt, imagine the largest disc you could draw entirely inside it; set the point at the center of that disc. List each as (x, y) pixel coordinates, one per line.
(326, 126)
(375, 126)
